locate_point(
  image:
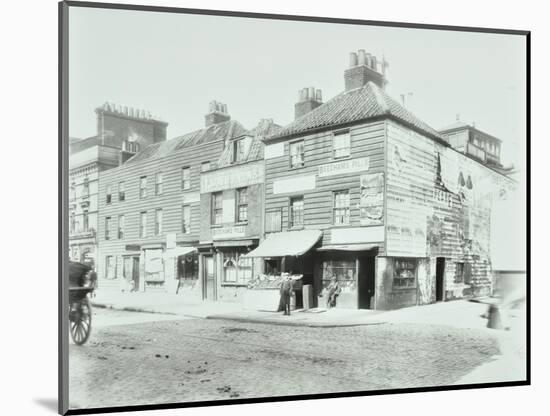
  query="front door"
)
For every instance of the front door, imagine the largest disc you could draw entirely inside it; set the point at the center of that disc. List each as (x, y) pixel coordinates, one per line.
(366, 283)
(135, 272)
(439, 274)
(209, 278)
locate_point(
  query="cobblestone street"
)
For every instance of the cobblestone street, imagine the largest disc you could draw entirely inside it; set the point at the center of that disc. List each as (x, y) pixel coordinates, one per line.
(143, 359)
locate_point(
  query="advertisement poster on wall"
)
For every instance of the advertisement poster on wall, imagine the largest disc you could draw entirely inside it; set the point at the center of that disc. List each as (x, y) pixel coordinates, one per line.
(372, 199)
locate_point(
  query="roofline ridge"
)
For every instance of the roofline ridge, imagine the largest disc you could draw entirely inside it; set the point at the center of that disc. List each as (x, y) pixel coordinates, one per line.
(380, 99)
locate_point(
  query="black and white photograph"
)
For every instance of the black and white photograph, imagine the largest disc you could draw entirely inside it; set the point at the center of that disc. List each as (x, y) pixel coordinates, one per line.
(264, 207)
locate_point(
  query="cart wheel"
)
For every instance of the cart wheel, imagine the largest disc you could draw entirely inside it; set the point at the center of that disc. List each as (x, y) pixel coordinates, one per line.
(81, 321)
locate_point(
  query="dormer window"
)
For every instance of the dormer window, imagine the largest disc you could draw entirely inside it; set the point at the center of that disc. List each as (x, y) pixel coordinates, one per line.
(239, 149)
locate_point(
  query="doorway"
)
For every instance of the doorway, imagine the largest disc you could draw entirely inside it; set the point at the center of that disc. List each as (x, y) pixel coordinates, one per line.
(439, 278)
(366, 281)
(209, 279)
(135, 272)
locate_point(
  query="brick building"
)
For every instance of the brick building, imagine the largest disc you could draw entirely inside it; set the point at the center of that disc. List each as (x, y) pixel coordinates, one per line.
(121, 132)
(361, 190)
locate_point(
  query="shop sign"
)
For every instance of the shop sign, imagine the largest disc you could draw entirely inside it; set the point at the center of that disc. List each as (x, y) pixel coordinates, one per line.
(233, 177)
(229, 231)
(357, 235)
(294, 184)
(344, 166)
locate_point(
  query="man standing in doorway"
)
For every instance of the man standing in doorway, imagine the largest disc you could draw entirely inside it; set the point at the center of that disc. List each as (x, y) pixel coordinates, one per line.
(286, 290)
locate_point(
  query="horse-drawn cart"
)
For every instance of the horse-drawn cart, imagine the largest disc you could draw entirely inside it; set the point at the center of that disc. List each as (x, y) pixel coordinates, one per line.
(80, 309)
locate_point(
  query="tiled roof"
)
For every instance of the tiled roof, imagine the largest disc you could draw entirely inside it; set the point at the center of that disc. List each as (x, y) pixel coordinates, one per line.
(354, 105)
(265, 127)
(216, 132)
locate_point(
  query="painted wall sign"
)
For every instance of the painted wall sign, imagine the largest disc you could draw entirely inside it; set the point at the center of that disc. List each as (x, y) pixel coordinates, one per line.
(371, 203)
(232, 177)
(357, 235)
(344, 166)
(294, 184)
(228, 231)
(274, 150)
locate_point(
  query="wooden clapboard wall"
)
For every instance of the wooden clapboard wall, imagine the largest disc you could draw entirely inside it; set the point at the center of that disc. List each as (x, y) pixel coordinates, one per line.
(171, 200)
(367, 140)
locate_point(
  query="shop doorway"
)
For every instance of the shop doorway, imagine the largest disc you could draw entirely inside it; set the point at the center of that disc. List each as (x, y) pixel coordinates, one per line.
(135, 272)
(439, 278)
(366, 281)
(209, 279)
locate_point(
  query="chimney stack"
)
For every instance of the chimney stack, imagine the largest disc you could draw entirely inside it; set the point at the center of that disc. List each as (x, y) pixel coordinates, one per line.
(363, 67)
(308, 100)
(217, 113)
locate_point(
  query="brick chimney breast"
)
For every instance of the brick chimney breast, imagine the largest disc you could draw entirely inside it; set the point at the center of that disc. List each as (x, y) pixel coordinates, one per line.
(217, 113)
(308, 99)
(364, 67)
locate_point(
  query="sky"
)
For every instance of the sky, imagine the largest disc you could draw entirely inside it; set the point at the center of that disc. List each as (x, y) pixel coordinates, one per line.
(174, 64)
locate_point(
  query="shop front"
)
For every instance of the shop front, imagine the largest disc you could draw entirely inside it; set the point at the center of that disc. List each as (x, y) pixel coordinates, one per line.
(284, 252)
(181, 265)
(350, 271)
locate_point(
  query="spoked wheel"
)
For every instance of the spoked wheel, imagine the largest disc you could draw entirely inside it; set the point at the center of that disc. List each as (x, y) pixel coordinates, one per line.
(80, 317)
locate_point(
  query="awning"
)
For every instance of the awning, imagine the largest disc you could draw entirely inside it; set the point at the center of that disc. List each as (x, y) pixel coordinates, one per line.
(178, 251)
(348, 247)
(289, 243)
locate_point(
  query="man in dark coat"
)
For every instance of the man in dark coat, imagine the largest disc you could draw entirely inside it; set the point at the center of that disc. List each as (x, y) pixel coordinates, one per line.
(286, 289)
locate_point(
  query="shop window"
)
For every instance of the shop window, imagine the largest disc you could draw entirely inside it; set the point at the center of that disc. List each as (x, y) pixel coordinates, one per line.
(107, 228)
(121, 191)
(109, 194)
(404, 274)
(143, 224)
(143, 187)
(272, 266)
(185, 178)
(341, 208)
(341, 145)
(186, 219)
(154, 266)
(297, 154)
(296, 217)
(110, 267)
(188, 266)
(158, 221)
(236, 268)
(158, 184)
(343, 270)
(242, 205)
(120, 227)
(217, 208)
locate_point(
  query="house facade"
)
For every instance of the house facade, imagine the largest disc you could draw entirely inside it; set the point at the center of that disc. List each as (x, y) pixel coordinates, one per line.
(150, 238)
(121, 131)
(360, 190)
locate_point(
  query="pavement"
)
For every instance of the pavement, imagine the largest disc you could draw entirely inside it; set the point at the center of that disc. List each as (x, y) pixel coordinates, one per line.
(458, 313)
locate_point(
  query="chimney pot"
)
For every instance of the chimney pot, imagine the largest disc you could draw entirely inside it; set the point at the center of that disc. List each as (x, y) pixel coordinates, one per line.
(368, 60)
(352, 59)
(319, 95)
(374, 63)
(311, 93)
(306, 94)
(361, 57)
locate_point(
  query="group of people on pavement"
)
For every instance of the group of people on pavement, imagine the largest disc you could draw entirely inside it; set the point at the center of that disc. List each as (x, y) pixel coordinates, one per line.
(287, 288)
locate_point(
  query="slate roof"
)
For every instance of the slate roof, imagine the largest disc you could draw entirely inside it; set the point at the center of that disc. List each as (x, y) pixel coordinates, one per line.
(216, 132)
(354, 105)
(265, 127)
